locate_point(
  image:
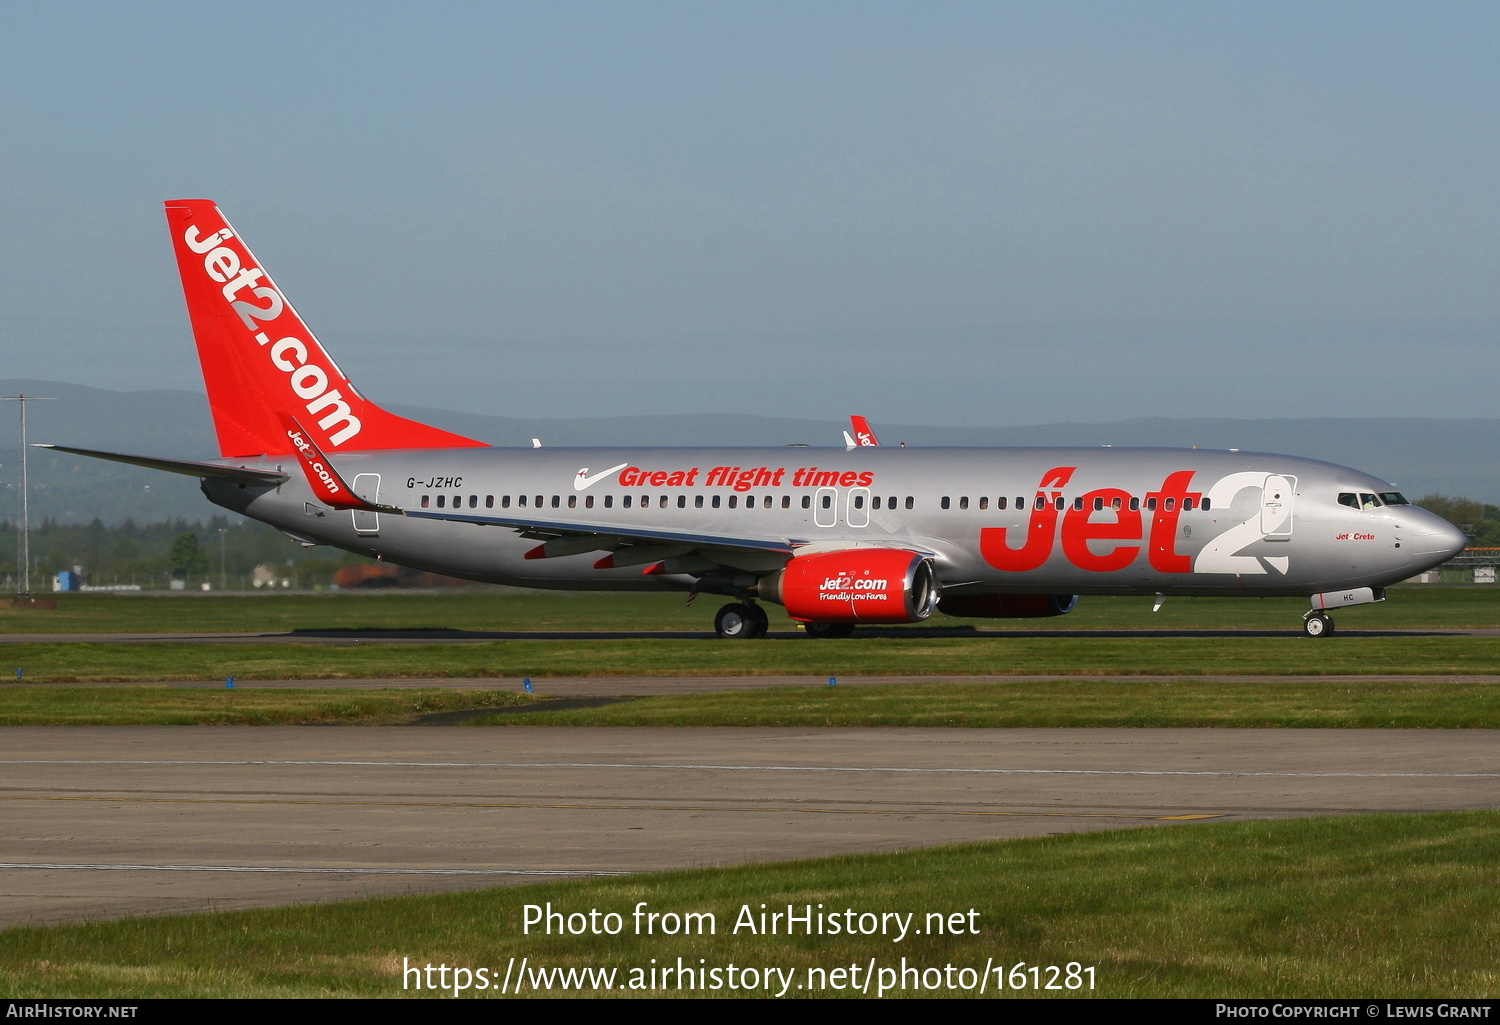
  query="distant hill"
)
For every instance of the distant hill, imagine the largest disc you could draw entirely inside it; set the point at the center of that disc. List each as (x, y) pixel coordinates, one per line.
(1422, 455)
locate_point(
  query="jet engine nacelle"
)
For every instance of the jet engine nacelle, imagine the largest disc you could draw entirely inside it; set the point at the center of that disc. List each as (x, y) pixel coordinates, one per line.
(1008, 606)
(858, 585)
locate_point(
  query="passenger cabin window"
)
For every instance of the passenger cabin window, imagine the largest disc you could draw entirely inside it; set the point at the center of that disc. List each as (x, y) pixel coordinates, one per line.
(786, 501)
(1187, 504)
(682, 501)
(1135, 503)
(807, 501)
(1204, 504)
(441, 500)
(944, 503)
(909, 501)
(572, 501)
(963, 503)
(588, 501)
(716, 501)
(489, 501)
(733, 501)
(697, 501)
(626, 501)
(609, 501)
(1000, 502)
(424, 501)
(473, 501)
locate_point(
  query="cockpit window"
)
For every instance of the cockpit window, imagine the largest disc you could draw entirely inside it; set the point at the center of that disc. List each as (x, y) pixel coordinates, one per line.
(1368, 501)
(1394, 498)
(1349, 498)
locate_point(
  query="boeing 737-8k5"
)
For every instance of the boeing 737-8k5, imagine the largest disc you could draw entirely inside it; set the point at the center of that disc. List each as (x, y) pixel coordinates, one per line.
(866, 534)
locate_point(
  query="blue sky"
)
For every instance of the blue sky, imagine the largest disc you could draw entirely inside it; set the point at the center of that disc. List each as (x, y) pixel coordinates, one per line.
(967, 214)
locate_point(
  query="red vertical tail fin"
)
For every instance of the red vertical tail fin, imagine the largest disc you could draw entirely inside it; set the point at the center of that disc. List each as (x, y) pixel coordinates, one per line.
(259, 359)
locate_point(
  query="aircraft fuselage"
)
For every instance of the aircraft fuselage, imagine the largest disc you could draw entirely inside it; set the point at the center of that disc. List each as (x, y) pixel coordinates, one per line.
(1024, 521)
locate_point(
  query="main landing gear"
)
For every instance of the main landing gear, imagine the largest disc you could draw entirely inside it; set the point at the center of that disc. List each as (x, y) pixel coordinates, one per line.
(741, 620)
(1317, 624)
(817, 630)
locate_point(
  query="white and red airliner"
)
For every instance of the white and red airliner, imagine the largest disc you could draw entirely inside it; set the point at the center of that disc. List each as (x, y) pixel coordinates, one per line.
(837, 537)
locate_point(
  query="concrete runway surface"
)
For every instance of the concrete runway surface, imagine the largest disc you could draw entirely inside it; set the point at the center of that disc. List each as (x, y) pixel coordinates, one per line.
(109, 821)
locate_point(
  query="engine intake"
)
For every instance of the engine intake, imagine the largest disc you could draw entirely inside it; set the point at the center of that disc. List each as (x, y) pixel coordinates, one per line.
(858, 585)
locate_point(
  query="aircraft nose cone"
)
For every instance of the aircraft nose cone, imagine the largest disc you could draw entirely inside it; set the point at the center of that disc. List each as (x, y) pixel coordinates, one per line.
(1436, 539)
(1454, 541)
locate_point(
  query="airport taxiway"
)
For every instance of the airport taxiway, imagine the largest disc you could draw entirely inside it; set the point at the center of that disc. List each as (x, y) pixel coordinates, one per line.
(112, 821)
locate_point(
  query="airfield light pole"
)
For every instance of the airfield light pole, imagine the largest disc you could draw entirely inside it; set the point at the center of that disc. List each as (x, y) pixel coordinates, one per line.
(223, 534)
(23, 579)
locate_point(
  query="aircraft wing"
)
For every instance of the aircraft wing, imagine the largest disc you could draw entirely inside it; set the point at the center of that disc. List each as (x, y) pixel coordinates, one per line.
(615, 533)
(658, 549)
(238, 474)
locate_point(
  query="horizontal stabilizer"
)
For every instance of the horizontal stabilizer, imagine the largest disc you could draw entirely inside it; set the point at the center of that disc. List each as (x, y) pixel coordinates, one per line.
(238, 474)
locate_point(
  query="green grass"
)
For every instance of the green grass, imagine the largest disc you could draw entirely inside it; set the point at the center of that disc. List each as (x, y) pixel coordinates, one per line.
(494, 609)
(1187, 703)
(882, 656)
(1434, 704)
(1357, 907)
(173, 706)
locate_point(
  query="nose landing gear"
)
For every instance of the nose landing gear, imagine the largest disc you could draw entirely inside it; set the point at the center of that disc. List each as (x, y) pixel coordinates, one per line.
(1317, 624)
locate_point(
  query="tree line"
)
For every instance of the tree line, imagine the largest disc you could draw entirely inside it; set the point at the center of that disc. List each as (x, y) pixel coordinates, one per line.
(220, 553)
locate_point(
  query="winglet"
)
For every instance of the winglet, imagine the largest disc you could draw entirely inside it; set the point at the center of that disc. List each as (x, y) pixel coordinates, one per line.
(321, 476)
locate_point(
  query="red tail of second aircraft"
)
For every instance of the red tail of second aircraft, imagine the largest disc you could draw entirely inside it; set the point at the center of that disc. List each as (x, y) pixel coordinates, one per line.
(863, 436)
(260, 361)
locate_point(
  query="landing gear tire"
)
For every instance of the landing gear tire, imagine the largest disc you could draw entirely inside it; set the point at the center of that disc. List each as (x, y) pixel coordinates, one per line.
(828, 630)
(739, 621)
(1317, 626)
(762, 621)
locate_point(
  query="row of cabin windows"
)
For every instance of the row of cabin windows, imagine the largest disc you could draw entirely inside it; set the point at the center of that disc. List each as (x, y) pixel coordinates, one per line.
(644, 501)
(1117, 503)
(825, 501)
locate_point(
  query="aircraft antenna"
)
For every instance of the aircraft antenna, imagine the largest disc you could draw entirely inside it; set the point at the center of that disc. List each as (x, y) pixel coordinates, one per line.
(23, 578)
